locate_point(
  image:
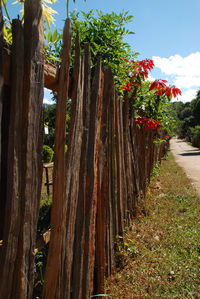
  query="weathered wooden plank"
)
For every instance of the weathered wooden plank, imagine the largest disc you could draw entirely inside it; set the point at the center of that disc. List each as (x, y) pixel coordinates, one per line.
(108, 97)
(113, 165)
(2, 204)
(78, 258)
(73, 170)
(51, 73)
(14, 207)
(54, 267)
(120, 166)
(5, 120)
(135, 163)
(141, 144)
(92, 172)
(102, 192)
(124, 182)
(1, 74)
(32, 134)
(128, 158)
(101, 183)
(78, 251)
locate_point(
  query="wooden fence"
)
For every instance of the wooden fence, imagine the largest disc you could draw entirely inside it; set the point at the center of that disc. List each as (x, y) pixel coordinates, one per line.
(96, 186)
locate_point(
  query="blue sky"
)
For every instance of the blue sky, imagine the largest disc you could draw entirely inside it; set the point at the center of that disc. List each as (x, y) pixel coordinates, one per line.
(165, 31)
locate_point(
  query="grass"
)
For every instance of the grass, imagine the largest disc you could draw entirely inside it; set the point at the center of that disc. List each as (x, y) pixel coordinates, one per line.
(159, 256)
(44, 188)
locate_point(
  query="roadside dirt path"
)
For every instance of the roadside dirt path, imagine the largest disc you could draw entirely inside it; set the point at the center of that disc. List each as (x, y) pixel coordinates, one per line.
(188, 157)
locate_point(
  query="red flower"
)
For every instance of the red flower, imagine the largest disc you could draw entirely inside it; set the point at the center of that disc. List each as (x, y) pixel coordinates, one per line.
(175, 91)
(124, 59)
(127, 88)
(149, 123)
(168, 92)
(159, 86)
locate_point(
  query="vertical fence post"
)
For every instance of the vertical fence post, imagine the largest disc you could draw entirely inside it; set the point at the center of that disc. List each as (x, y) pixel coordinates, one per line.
(1, 74)
(13, 207)
(1, 106)
(23, 153)
(54, 269)
(33, 92)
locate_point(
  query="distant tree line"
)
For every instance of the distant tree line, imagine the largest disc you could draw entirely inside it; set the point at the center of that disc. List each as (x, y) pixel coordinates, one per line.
(188, 120)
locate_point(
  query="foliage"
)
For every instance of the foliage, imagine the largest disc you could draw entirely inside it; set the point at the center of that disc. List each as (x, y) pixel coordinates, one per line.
(48, 13)
(188, 119)
(47, 154)
(195, 136)
(105, 33)
(49, 115)
(149, 99)
(53, 46)
(41, 256)
(68, 7)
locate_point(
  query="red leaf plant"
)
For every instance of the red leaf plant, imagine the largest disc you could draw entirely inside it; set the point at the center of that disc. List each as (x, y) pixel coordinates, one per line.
(138, 70)
(149, 123)
(161, 88)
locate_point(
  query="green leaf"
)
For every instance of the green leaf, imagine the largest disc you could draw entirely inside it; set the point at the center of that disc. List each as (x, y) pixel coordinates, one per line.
(49, 37)
(55, 35)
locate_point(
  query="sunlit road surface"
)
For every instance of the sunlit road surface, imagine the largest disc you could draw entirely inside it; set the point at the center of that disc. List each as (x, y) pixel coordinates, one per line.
(188, 157)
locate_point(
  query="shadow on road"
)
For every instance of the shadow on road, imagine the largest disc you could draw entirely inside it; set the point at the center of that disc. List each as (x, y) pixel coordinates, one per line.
(190, 154)
(193, 150)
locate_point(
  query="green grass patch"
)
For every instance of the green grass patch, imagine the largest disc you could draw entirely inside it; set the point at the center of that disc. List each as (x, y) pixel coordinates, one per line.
(160, 254)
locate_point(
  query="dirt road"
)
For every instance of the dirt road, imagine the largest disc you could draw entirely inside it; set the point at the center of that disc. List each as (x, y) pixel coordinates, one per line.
(188, 157)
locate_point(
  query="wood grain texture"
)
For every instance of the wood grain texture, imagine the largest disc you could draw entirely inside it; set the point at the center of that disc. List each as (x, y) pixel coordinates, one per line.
(14, 205)
(33, 92)
(1, 77)
(54, 267)
(96, 185)
(2, 202)
(73, 171)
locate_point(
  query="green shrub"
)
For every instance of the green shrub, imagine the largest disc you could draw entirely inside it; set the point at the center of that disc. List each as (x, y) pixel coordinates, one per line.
(47, 154)
(195, 136)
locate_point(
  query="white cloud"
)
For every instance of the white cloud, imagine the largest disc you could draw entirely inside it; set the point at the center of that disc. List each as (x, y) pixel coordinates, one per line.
(187, 96)
(150, 78)
(183, 72)
(47, 97)
(47, 101)
(179, 66)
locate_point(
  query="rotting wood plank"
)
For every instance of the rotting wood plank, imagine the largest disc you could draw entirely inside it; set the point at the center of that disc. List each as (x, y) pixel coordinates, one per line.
(54, 267)
(14, 207)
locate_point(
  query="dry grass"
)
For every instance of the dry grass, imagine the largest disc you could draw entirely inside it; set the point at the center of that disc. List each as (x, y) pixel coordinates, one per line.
(160, 254)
